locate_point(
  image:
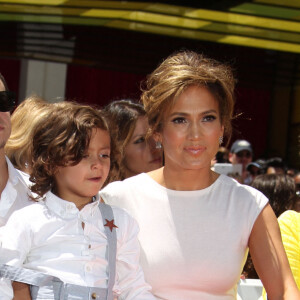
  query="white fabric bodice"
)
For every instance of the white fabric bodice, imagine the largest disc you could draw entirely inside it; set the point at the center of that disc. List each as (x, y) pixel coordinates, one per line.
(193, 243)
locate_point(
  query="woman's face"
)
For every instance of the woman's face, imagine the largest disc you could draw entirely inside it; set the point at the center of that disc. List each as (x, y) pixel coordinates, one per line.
(141, 155)
(191, 130)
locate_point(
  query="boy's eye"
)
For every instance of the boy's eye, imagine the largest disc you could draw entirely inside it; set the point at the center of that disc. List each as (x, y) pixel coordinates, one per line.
(104, 155)
(179, 120)
(85, 156)
(139, 140)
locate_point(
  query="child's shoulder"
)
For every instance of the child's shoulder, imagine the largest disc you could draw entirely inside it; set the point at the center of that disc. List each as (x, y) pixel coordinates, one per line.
(28, 214)
(29, 210)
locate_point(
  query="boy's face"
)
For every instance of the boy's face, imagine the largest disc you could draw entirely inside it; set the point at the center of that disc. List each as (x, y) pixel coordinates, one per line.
(5, 124)
(81, 182)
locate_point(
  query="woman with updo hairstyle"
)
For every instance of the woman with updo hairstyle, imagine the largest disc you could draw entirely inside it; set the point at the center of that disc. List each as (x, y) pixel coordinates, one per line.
(196, 226)
(137, 152)
(179, 72)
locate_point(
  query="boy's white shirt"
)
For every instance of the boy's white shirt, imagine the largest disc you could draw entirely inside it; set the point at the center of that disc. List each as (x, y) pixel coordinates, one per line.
(35, 236)
(15, 194)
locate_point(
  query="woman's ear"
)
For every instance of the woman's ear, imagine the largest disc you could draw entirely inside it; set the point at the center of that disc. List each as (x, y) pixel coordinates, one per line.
(157, 137)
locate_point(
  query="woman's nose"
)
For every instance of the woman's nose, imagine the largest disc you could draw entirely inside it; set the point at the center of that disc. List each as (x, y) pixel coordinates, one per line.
(194, 130)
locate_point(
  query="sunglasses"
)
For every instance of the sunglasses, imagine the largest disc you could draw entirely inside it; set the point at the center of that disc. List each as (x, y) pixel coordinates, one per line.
(243, 154)
(7, 101)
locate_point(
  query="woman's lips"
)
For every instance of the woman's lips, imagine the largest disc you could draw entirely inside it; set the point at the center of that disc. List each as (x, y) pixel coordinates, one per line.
(195, 150)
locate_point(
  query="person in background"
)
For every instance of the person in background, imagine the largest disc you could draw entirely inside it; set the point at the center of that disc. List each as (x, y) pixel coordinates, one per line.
(138, 152)
(28, 115)
(289, 223)
(296, 178)
(297, 181)
(222, 155)
(275, 165)
(196, 225)
(241, 152)
(67, 232)
(280, 190)
(255, 168)
(14, 193)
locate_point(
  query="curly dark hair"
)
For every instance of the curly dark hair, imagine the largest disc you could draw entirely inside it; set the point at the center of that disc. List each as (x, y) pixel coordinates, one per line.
(61, 141)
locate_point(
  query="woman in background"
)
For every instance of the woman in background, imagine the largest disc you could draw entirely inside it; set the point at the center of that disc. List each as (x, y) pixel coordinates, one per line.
(280, 190)
(289, 223)
(30, 114)
(137, 152)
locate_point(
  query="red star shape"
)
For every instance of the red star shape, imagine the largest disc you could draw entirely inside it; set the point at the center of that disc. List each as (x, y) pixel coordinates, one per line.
(110, 224)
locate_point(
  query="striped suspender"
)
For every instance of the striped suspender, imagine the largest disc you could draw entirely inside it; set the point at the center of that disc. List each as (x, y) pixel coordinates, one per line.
(111, 253)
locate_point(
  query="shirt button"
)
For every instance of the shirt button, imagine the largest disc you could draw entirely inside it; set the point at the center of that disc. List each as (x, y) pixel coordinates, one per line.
(94, 296)
(88, 268)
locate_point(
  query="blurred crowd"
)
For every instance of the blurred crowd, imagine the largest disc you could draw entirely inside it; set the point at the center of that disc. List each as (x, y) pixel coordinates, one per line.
(265, 174)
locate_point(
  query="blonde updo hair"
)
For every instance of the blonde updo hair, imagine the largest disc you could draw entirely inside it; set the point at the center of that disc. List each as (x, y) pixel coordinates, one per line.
(180, 71)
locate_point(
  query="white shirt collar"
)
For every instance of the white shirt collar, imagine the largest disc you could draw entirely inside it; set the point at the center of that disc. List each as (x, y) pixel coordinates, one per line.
(67, 209)
(13, 174)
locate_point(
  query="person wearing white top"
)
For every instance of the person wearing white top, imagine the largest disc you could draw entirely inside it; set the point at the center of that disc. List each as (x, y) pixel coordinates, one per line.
(64, 235)
(15, 195)
(48, 237)
(196, 225)
(176, 230)
(13, 189)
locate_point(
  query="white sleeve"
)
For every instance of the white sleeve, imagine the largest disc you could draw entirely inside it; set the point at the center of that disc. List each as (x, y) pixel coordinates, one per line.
(15, 240)
(14, 245)
(130, 282)
(6, 291)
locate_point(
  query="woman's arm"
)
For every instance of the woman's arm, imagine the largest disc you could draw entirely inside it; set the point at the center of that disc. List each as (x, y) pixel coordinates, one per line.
(269, 258)
(21, 291)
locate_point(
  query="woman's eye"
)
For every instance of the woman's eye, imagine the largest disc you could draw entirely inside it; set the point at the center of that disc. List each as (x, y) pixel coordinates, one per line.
(139, 140)
(209, 118)
(179, 120)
